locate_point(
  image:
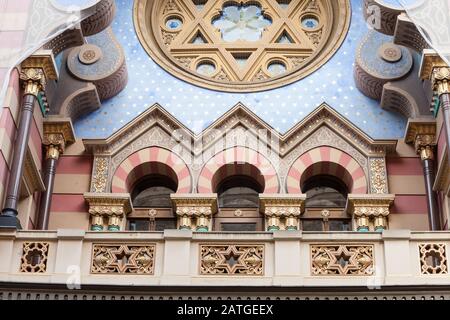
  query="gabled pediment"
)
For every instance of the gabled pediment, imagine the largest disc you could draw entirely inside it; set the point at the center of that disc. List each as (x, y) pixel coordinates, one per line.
(245, 122)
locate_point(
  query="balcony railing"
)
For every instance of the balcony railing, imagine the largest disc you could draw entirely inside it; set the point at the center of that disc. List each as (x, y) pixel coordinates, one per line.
(184, 258)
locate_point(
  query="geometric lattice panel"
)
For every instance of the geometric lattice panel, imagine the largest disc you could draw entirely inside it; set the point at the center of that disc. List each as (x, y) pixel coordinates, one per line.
(123, 259)
(342, 260)
(232, 260)
(34, 257)
(433, 258)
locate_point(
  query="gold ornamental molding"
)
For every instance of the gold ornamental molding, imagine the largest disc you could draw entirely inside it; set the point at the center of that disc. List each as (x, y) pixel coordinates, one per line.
(288, 43)
(422, 134)
(123, 259)
(237, 259)
(370, 210)
(111, 206)
(282, 211)
(434, 68)
(37, 70)
(194, 210)
(342, 260)
(58, 133)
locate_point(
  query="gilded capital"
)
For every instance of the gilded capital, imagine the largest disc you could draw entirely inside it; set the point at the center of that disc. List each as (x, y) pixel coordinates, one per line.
(370, 210)
(194, 205)
(37, 70)
(422, 134)
(111, 204)
(282, 205)
(58, 133)
(441, 80)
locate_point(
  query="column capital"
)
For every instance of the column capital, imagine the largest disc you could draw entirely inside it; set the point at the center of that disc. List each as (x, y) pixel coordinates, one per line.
(435, 69)
(195, 205)
(108, 205)
(367, 207)
(37, 70)
(422, 134)
(283, 205)
(58, 133)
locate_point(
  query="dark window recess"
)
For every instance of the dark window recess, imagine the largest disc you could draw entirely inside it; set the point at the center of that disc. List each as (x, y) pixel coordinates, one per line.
(239, 192)
(163, 224)
(153, 191)
(325, 191)
(312, 225)
(235, 227)
(139, 225)
(339, 225)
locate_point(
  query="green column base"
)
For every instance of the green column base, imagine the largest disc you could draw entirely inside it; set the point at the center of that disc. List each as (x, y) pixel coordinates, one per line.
(113, 228)
(291, 228)
(363, 229)
(184, 228)
(202, 229)
(379, 229)
(273, 228)
(96, 227)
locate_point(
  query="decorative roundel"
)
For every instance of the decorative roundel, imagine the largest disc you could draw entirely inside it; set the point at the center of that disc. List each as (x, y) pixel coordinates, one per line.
(89, 54)
(241, 46)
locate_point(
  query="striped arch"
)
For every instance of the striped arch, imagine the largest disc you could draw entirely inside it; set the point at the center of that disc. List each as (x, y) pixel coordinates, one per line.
(327, 160)
(153, 160)
(266, 173)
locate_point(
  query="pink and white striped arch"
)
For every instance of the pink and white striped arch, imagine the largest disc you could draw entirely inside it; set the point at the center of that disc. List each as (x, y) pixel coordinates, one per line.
(240, 156)
(153, 160)
(327, 160)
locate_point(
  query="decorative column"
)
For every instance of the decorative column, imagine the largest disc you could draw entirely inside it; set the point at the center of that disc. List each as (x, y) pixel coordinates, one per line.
(438, 72)
(58, 132)
(35, 72)
(282, 212)
(422, 133)
(195, 211)
(107, 210)
(370, 211)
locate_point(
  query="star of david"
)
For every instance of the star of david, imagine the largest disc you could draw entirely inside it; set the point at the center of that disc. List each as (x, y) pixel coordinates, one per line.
(343, 260)
(124, 259)
(200, 38)
(232, 259)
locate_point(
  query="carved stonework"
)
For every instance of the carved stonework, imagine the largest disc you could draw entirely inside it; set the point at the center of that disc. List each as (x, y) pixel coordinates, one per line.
(58, 132)
(34, 257)
(194, 210)
(123, 259)
(342, 260)
(378, 176)
(232, 260)
(441, 80)
(282, 211)
(36, 71)
(370, 210)
(100, 175)
(433, 258)
(111, 206)
(422, 134)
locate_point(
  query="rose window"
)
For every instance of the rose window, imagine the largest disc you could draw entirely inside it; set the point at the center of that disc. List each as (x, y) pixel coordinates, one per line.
(241, 46)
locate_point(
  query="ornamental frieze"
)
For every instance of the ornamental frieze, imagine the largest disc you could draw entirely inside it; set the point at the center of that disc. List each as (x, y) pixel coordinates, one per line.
(378, 176)
(247, 260)
(100, 171)
(123, 259)
(342, 260)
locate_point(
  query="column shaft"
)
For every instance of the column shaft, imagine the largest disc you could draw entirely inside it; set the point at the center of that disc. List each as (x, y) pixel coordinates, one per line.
(46, 199)
(445, 105)
(8, 217)
(433, 212)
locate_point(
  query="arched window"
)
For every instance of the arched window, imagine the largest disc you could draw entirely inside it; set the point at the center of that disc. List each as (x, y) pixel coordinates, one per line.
(152, 204)
(153, 191)
(326, 198)
(325, 191)
(239, 191)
